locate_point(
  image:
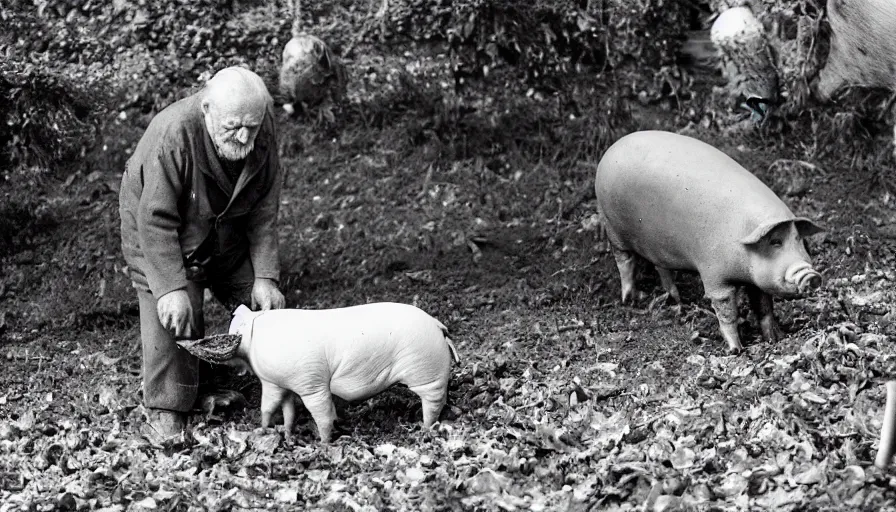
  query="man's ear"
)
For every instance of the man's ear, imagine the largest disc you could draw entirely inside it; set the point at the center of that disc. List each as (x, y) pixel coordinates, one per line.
(205, 105)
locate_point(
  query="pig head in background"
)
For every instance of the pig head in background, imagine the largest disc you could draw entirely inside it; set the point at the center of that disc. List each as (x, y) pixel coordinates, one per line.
(747, 61)
(353, 353)
(863, 47)
(682, 204)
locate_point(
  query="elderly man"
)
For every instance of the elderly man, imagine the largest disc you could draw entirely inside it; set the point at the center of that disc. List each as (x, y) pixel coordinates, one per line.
(198, 205)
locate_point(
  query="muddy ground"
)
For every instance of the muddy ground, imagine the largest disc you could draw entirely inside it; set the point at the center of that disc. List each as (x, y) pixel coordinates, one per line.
(564, 398)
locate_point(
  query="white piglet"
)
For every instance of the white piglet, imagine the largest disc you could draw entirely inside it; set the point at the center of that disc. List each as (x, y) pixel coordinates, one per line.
(353, 353)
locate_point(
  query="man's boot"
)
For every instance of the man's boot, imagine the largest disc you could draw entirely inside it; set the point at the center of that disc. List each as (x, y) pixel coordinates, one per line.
(162, 425)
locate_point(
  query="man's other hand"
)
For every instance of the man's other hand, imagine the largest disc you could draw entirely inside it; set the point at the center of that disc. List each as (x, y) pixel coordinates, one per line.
(176, 313)
(265, 295)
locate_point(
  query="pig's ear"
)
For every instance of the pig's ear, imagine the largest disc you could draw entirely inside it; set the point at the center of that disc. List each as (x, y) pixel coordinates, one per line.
(761, 231)
(806, 228)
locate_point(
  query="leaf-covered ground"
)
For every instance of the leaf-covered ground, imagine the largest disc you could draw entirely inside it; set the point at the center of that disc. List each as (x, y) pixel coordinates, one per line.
(563, 400)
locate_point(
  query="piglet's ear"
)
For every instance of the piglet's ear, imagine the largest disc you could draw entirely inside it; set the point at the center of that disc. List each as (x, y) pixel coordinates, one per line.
(238, 318)
(761, 231)
(806, 227)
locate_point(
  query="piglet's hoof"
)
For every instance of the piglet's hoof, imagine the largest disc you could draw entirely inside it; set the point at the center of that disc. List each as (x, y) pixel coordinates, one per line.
(735, 350)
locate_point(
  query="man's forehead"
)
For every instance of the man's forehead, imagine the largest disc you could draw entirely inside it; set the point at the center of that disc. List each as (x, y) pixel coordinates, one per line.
(246, 112)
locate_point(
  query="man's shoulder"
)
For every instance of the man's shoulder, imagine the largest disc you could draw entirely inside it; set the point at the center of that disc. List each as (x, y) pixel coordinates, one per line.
(172, 127)
(182, 114)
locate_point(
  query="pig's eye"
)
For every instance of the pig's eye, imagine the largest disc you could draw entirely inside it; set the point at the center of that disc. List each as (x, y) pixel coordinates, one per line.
(777, 242)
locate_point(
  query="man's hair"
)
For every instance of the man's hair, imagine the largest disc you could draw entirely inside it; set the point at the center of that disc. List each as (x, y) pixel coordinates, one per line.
(239, 82)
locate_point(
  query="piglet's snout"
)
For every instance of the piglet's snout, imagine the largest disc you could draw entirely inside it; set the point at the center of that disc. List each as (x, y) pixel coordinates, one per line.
(804, 276)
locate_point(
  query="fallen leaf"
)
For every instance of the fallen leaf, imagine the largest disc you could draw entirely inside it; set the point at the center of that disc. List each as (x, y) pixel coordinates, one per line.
(742, 371)
(415, 475)
(815, 398)
(384, 450)
(487, 481)
(811, 476)
(702, 493)
(108, 397)
(778, 498)
(26, 421)
(146, 503)
(287, 495)
(317, 475)
(733, 485)
(163, 495)
(585, 490)
(264, 443)
(682, 458)
(666, 502)
(854, 476)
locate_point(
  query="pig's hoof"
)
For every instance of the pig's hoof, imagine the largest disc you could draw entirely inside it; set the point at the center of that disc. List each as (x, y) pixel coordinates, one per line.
(735, 351)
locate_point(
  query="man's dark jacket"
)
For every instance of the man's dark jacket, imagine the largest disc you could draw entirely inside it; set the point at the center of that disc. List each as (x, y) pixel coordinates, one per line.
(180, 211)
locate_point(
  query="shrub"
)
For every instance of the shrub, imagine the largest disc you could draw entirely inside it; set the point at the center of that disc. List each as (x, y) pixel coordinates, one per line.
(51, 116)
(548, 39)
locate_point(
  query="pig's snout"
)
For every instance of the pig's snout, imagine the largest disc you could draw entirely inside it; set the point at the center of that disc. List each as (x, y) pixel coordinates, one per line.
(810, 282)
(806, 278)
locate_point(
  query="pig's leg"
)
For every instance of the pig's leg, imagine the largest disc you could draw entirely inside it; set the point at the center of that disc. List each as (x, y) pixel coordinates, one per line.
(323, 410)
(762, 305)
(289, 412)
(625, 262)
(433, 397)
(668, 283)
(272, 396)
(724, 302)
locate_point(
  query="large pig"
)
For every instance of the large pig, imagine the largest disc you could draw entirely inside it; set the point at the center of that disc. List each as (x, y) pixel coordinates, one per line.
(683, 204)
(863, 47)
(353, 353)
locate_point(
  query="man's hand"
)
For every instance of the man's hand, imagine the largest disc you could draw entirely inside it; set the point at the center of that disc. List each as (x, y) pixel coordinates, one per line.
(176, 313)
(265, 295)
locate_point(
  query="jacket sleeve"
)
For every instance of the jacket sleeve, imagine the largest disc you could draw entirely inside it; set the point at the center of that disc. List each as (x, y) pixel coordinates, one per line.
(262, 226)
(158, 222)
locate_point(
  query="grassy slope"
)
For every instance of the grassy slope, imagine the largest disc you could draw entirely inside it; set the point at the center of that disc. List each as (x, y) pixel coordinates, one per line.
(660, 417)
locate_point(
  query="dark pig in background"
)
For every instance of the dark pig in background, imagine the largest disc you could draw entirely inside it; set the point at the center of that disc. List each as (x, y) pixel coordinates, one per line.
(747, 61)
(682, 204)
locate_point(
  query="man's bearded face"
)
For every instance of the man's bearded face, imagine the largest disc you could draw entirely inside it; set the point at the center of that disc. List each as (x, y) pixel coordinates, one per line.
(233, 129)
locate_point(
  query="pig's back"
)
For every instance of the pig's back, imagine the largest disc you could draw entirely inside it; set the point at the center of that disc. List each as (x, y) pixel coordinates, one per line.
(676, 200)
(353, 328)
(362, 345)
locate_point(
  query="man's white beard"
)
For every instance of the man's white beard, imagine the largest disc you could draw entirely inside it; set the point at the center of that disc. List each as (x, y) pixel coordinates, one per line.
(234, 151)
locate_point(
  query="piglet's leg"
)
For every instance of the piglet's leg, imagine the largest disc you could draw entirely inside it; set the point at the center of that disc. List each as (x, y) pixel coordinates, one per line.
(762, 305)
(433, 397)
(272, 396)
(323, 410)
(724, 302)
(289, 413)
(625, 262)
